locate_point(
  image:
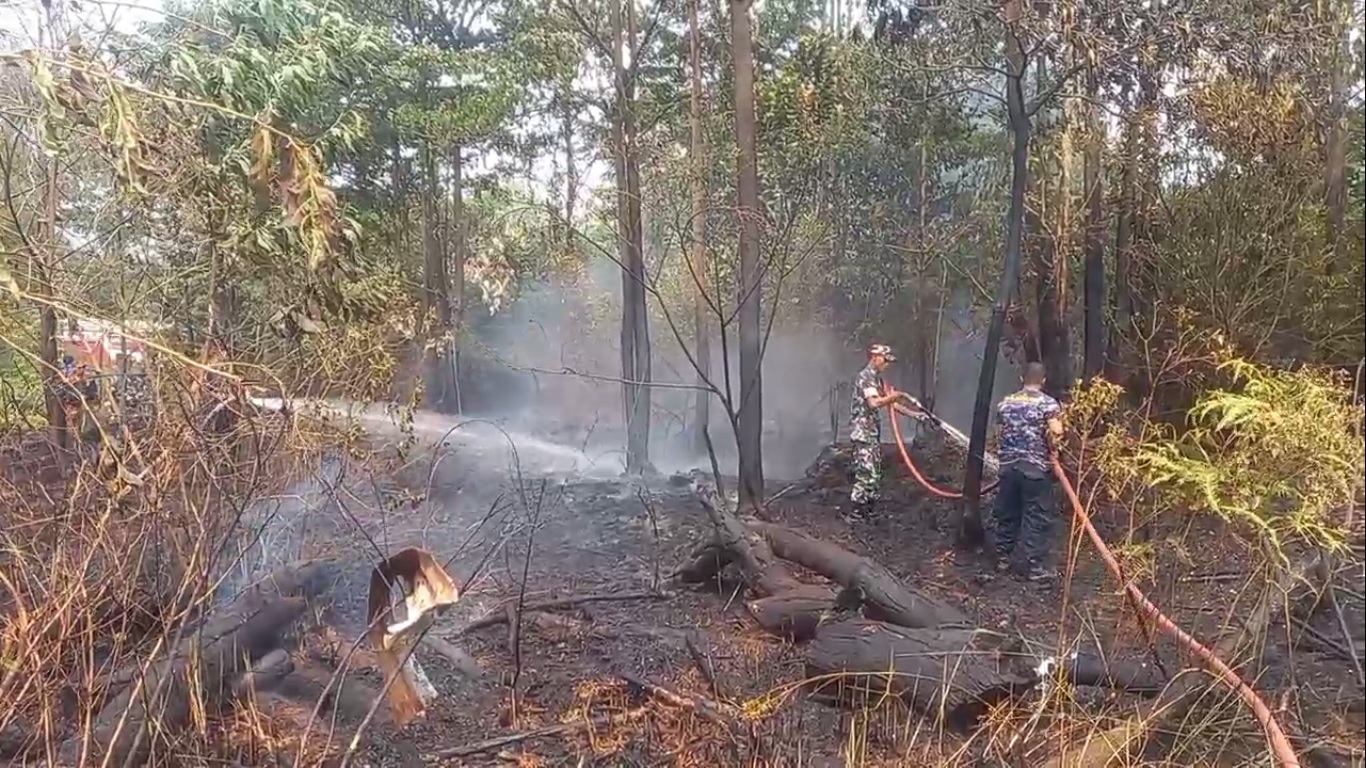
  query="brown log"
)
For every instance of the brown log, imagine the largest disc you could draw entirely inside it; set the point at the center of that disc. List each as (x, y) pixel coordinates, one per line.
(795, 614)
(884, 596)
(951, 674)
(954, 674)
(763, 572)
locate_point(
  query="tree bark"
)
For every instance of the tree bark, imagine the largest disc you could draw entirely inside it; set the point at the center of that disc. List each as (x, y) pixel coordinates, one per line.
(1051, 251)
(1122, 299)
(1335, 148)
(1093, 358)
(457, 267)
(635, 342)
(882, 594)
(701, 266)
(436, 299)
(571, 170)
(750, 423)
(970, 532)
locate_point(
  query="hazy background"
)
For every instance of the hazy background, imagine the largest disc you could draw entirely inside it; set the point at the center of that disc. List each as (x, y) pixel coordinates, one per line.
(548, 364)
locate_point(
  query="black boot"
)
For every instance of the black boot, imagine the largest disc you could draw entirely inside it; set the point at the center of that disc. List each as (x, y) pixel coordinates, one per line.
(859, 512)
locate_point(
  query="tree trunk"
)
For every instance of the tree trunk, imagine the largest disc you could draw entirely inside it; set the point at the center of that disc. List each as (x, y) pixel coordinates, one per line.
(1122, 298)
(1051, 251)
(635, 341)
(223, 304)
(1054, 338)
(49, 351)
(571, 171)
(926, 334)
(1335, 166)
(750, 427)
(701, 266)
(1093, 358)
(48, 332)
(1146, 196)
(457, 268)
(436, 300)
(970, 531)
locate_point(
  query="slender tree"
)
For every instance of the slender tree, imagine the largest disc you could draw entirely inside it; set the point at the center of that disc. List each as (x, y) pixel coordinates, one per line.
(751, 413)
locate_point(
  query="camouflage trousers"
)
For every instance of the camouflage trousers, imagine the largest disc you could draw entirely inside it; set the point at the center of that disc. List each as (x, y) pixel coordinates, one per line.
(867, 474)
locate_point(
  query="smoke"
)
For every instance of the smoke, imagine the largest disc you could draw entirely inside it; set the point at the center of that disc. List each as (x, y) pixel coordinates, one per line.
(960, 365)
(550, 364)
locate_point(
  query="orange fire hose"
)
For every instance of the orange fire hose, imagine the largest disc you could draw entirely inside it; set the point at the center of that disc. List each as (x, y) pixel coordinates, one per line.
(915, 471)
(1275, 736)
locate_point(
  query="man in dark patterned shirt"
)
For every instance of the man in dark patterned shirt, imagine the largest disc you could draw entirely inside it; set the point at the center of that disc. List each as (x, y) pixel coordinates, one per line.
(1028, 421)
(865, 429)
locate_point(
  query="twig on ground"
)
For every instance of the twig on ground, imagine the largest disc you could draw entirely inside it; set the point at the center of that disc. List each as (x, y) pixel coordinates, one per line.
(711, 710)
(703, 662)
(560, 729)
(499, 617)
(1346, 630)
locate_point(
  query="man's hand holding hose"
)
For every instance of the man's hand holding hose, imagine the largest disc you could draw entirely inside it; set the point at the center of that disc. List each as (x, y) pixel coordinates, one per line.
(906, 405)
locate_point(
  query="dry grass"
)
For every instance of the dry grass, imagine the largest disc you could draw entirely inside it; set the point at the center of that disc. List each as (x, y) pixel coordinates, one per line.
(97, 577)
(108, 557)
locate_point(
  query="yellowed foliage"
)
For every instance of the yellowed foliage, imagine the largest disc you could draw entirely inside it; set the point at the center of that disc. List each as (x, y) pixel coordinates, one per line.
(1277, 451)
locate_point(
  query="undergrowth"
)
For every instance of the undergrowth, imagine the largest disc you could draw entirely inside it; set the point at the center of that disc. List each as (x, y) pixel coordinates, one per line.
(1276, 453)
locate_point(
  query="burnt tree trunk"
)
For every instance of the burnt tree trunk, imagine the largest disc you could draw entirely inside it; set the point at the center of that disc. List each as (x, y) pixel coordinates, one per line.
(457, 268)
(970, 531)
(1122, 297)
(882, 595)
(439, 389)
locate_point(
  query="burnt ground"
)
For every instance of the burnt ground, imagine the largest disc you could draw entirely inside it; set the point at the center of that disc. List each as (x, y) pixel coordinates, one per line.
(603, 536)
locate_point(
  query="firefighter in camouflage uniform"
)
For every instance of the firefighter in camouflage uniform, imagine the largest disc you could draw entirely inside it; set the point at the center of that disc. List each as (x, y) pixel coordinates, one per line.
(865, 428)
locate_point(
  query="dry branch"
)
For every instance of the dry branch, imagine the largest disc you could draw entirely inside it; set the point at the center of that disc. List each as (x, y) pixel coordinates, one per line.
(560, 729)
(499, 616)
(209, 662)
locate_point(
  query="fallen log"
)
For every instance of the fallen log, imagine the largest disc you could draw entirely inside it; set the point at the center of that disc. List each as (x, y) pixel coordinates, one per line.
(953, 674)
(882, 594)
(784, 605)
(909, 645)
(242, 647)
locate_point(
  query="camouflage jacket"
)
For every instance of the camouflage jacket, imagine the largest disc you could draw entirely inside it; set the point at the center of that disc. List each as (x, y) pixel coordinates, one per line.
(864, 425)
(1023, 421)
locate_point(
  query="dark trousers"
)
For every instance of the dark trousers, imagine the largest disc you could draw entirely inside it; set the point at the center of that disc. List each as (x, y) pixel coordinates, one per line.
(1024, 510)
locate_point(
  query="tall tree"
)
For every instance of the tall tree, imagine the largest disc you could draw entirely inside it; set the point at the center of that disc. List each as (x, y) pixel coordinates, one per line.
(635, 337)
(970, 532)
(1335, 150)
(1093, 358)
(700, 265)
(750, 427)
